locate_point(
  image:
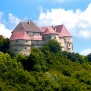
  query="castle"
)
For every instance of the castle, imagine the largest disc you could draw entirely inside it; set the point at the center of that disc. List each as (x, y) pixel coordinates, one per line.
(27, 35)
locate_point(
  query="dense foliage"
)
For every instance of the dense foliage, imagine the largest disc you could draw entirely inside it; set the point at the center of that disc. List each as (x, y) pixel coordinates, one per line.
(45, 70)
(4, 44)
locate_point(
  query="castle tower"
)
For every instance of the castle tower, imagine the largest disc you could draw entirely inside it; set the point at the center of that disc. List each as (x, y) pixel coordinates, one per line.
(64, 38)
(49, 34)
(20, 42)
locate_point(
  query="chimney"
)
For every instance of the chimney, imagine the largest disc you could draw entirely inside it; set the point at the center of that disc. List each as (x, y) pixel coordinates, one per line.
(28, 21)
(54, 27)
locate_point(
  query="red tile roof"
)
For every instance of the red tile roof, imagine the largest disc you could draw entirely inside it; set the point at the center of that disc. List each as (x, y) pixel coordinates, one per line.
(50, 30)
(43, 28)
(60, 35)
(20, 31)
(27, 26)
(62, 30)
(20, 35)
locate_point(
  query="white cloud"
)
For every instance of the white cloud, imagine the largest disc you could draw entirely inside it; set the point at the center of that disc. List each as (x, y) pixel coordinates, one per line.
(77, 22)
(13, 19)
(4, 31)
(85, 51)
(6, 25)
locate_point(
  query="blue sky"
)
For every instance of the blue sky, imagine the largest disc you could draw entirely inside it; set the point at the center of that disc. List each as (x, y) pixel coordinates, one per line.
(74, 14)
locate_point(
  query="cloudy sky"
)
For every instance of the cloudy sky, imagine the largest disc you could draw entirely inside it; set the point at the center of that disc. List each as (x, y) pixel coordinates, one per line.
(74, 14)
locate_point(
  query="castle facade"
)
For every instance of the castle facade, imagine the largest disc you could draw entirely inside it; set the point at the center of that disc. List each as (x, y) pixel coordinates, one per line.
(27, 35)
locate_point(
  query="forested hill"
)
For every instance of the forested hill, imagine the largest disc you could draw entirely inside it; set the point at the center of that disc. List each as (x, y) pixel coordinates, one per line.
(45, 69)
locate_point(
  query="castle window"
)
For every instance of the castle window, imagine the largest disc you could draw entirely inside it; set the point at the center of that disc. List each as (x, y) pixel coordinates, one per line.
(49, 37)
(54, 37)
(69, 38)
(69, 45)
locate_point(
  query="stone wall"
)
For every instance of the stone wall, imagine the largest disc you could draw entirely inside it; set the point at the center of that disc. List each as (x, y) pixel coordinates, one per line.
(25, 46)
(37, 43)
(21, 46)
(46, 38)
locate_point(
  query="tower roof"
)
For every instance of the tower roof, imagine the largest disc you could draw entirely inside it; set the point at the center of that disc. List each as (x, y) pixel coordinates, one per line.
(61, 29)
(50, 30)
(27, 26)
(20, 35)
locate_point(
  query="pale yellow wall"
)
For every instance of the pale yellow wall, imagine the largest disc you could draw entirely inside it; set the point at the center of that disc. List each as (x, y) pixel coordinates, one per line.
(69, 47)
(58, 38)
(64, 42)
(61, 41)
(67, 41)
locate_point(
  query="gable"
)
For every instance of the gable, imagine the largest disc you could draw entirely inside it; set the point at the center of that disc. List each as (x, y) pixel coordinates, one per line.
(62, 29)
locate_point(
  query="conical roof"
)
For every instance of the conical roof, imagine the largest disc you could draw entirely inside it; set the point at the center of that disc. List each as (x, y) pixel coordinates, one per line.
(20, 35)
(50, 30)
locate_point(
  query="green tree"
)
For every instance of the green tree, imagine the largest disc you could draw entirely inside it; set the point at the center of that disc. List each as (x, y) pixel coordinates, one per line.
(35, 61)
(4, 44)
(88, 57)
(53, 45)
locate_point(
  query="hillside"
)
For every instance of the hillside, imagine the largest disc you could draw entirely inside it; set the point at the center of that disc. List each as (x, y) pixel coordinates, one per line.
(46, 69)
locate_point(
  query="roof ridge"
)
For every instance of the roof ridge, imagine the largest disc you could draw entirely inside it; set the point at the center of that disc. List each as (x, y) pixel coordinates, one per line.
(35, 25)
